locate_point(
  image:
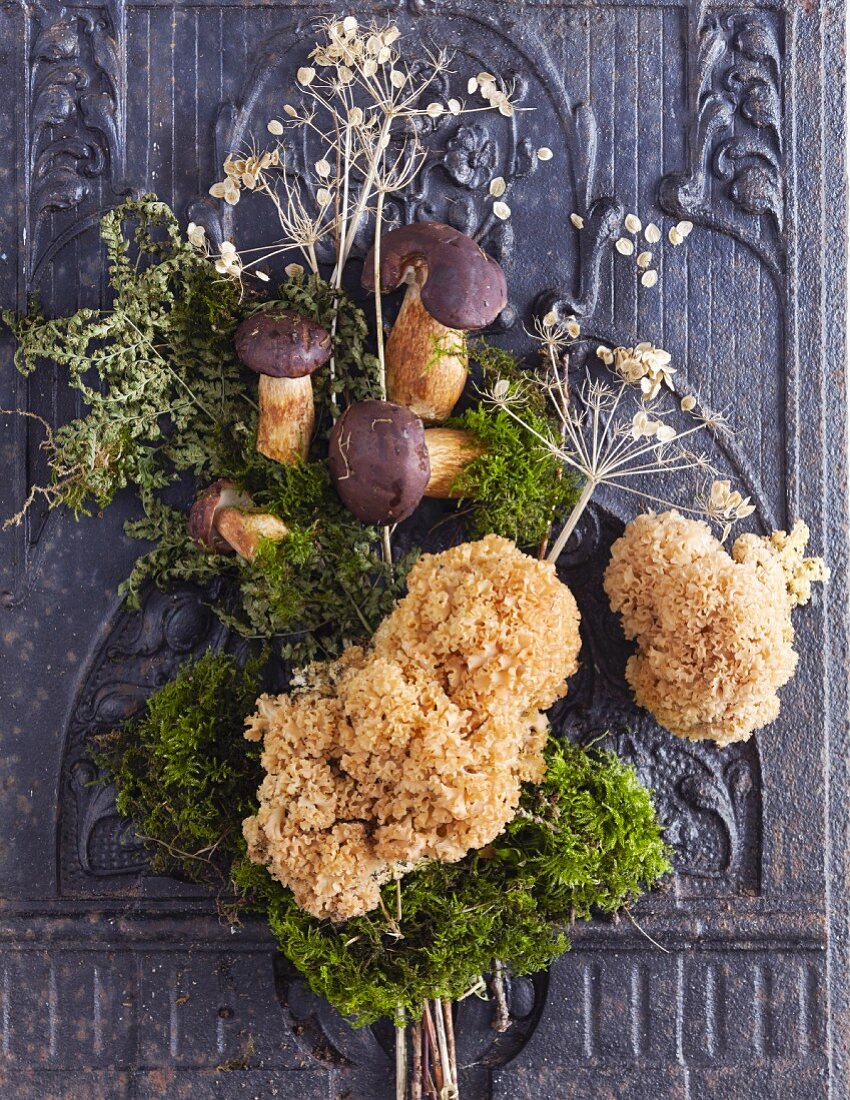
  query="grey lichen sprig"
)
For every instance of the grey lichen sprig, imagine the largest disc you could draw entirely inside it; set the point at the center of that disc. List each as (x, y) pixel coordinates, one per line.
(612, 435)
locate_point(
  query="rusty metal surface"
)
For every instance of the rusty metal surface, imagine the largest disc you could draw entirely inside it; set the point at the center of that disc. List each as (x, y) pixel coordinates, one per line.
(115, 984)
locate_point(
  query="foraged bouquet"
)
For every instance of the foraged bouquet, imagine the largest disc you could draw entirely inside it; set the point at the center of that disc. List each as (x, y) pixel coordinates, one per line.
(401, 814)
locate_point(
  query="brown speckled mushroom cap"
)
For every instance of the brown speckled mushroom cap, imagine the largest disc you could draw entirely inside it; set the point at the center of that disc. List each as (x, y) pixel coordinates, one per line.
(221, 494)
(282, 344)
(378, 461)
(461, 286)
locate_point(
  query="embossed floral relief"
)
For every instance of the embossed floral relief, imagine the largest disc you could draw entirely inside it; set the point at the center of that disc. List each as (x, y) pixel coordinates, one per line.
(76, 108)
(734, 178)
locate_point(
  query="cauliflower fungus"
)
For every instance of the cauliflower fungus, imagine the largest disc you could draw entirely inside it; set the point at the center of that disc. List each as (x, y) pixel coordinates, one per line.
(713, 631)
(416, 747)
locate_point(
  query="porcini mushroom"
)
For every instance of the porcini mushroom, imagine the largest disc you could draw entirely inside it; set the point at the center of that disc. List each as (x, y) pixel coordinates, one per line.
(452, 288)
(222, 521)
(378, 461)
(284, 348)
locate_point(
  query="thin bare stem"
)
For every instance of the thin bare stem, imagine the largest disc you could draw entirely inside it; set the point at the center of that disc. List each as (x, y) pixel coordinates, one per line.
(416, 1066)
(570, 526)
(502, 1020)
(400, 1058)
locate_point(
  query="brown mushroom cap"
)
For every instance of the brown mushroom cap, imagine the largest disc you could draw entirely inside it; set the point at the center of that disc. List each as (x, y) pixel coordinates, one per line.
(461, 286)
(221, 494)
(378, 461)
(282, 344)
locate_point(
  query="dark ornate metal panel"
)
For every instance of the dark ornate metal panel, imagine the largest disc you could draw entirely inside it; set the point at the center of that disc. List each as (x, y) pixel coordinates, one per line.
(117, 984)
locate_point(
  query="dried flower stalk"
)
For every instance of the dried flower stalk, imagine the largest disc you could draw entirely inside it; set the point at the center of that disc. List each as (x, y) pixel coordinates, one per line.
(610, 436)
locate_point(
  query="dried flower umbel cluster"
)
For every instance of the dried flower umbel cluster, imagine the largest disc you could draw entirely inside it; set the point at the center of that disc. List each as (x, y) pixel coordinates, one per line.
(714, 632)
(362, 106)
(616, 431)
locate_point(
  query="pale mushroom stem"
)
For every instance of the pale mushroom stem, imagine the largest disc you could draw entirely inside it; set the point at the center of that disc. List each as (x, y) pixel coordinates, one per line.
(287, 418)
(427, 363)
(243, 530)
(450, 451)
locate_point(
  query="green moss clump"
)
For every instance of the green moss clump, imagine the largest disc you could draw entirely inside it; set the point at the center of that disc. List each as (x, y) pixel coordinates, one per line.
(516, 488)
(584, 840)
(184, 773)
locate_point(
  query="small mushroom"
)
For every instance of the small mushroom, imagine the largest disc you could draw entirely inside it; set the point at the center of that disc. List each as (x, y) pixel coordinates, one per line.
(284, 348)
(450, 451)
(378, 461)
(222, 521)
(452, 288)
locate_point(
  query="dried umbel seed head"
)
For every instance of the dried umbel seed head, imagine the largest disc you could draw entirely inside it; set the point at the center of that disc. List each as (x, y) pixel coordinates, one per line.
(378, 461)
(453, 287)
(284, 348)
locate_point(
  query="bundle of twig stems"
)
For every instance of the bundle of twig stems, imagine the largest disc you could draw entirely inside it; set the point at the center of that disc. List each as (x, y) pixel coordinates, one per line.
(433, 1056)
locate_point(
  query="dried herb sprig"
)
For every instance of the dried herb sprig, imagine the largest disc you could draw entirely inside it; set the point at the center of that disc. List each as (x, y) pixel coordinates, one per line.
(156, 369)
(610, 437)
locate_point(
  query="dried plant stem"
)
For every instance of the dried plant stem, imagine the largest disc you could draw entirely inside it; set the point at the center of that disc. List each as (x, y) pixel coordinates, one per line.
(431, 1034)
(502, 1019)
(570, 526)
(386, 541)
(449, 1089)
(450, 1036)
(400, 1059)
(366, 188)
(416, 1064)
(379, 313)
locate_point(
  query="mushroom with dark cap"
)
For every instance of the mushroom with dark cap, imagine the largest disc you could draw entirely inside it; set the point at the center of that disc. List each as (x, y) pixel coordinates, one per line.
(284, 348)
(378, 461)
(452, 288)
(222, 521)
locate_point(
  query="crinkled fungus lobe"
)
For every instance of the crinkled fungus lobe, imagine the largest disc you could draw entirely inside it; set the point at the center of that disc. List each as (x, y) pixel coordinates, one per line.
(223, 521)
(715, 640)
(417, 747)
(378, 461)
(453, 287)
(284, 348)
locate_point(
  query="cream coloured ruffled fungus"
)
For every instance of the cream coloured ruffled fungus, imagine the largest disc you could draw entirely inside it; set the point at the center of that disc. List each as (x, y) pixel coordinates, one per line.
(415, 748)
(714, 633)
